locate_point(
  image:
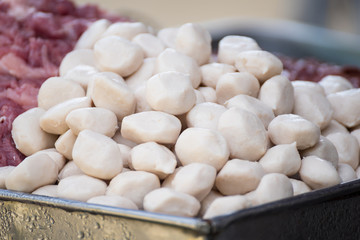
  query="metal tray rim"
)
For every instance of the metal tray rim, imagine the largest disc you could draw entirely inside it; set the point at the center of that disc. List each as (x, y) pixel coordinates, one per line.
(196, 224)
(307, 199)
(203, 226)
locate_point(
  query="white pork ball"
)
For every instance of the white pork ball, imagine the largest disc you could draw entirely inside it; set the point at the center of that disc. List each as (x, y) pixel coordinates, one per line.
(151, 45)
(53, 121)
(110, 91)
(283, 158)
(99, 120)
(205, 115)
(4, 172)
(232, 84)
(230, 46)
(133, 185)
(252, 105)
(211, 72)
(33, 172)
(347, 147)
(278, 93)
(262, 64)
(27, 134)
(289, 128)
(318, 173)
(140, 77)
(127, 30)
(118, 55)
(150, 126)
(346, 172)
(226, 205)
(182, 180)
(171, 60)
(333, 84)
(202, 145)
(153, 157)
(245, 134)
(168, 36)
(272, 187)
(56, 90)
(76, 58)
(170, 92)
(80, 187)
(70, 169)
(346, 106)
(65, 143)
(324, 149)
(312, 106)
(81, 74)
(92, 34)
(97, 155)
(194, 41)
(169, 201)
(299, 186)
(239, 177)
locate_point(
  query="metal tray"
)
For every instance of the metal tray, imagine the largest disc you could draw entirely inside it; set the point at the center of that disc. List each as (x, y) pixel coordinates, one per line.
(332, 213)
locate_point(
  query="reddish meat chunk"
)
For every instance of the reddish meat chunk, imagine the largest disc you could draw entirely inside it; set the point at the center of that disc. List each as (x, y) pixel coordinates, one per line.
(35, 35)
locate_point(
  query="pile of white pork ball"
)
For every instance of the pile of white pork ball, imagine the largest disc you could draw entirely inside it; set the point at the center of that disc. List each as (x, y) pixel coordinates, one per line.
(155, 122)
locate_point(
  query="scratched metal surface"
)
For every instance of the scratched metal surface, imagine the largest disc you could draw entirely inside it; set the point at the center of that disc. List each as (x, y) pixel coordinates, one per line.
(331, 213)
(26, 216)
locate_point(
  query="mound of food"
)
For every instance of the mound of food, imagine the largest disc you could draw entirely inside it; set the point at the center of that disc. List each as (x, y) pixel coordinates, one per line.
(111, 113)
(133, 120)
(34, 38)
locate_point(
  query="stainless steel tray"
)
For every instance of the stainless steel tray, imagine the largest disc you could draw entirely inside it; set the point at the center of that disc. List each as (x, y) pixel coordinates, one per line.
(331, 213)
(27, 216)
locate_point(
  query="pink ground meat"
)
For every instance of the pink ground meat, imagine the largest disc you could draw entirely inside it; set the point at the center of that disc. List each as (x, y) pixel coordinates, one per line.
(35, 35)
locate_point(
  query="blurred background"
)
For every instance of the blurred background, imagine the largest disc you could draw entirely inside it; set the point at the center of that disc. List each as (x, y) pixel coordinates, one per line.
(342, 15)
(328, 29)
